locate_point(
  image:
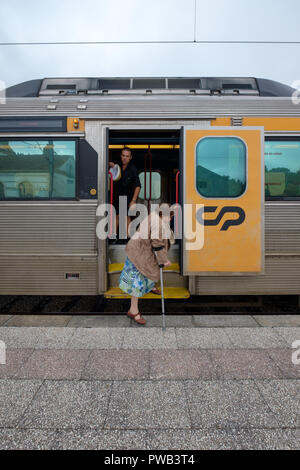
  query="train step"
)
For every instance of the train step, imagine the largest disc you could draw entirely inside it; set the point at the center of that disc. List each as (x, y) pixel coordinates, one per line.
(169, 293)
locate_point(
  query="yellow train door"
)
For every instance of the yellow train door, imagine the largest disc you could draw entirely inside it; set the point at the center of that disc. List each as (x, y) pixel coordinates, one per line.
(223, 199)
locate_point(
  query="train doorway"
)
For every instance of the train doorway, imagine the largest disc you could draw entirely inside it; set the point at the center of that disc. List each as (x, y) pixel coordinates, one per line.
(157, 156)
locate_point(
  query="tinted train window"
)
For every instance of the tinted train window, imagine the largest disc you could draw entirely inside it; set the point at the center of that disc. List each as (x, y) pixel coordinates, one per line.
(155, 185)
(221, 167)
(282, 168)
(37, 169)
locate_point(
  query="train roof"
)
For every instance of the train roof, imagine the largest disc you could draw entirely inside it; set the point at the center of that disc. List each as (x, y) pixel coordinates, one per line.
(207, 86)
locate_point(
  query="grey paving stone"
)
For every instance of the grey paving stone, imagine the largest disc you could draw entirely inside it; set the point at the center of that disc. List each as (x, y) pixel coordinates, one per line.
(244, 364)
(283, 358)
(38, 320)
(15, 358)
(278, 320)
(117, 365)
(146, 404)
(61, 404)
(223, 439)
(99, 321)
(101, 440)
(283, 398)
(54, 337)
(26, 439)
(97, 338)
(18, 337)
(270, 439)
(184, 364)
(4, 319)
(36, 337)
(289, 334)
(224, 320)
(194, 440)
(254, 338)
(227, 404)
(15, 396)
(152, 338)
(202, 338)
(54, 364)
(66, 364)
(172, 321)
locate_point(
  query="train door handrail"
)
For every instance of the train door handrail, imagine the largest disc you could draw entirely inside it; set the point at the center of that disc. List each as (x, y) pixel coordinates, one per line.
(111, 204)
(148, 199)
(177, 200)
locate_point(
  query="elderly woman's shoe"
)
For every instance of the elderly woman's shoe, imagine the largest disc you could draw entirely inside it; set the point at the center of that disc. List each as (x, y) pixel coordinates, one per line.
(140, 321)
(156, 291)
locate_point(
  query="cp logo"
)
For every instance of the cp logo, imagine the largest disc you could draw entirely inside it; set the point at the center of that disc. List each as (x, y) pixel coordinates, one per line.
(223, 211)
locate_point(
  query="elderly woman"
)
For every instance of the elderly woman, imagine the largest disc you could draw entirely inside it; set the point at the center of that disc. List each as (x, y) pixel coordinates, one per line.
(145, 251)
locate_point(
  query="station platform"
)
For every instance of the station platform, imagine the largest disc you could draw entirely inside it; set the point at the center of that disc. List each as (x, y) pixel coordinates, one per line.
(218, 385)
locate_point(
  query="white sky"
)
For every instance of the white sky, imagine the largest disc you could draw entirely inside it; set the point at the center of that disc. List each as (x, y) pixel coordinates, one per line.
(149, 20)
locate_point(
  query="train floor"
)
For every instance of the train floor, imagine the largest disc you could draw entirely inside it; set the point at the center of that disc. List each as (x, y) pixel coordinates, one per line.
(230, 382)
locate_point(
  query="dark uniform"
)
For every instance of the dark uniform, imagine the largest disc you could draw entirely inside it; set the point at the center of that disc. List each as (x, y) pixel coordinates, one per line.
(126, 185)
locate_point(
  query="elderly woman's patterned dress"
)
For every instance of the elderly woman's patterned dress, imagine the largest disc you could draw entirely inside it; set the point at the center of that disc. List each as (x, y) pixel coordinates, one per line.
(133, 282)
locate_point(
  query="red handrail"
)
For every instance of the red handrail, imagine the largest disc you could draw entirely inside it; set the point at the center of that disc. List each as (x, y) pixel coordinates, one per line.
(148, 154)
(111, 203)
(177, 192)
(177, 198)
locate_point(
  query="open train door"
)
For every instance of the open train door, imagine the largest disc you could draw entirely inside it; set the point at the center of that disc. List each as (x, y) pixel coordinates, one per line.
(224, 192)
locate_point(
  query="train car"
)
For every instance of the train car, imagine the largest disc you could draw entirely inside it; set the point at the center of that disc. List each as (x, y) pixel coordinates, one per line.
(227, 150)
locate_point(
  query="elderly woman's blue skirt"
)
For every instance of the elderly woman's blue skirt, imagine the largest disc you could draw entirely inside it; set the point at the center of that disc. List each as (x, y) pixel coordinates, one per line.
(133, 282)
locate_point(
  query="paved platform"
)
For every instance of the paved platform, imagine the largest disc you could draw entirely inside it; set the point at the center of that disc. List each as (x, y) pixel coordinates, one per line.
(186, 321)
(218, 384)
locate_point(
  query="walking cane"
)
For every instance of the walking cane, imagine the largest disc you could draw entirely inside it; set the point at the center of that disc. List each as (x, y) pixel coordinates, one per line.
(162, 295)
(162, 292)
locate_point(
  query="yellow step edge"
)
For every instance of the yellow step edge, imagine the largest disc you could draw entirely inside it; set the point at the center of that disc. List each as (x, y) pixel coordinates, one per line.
(169, 293)
(117, 268)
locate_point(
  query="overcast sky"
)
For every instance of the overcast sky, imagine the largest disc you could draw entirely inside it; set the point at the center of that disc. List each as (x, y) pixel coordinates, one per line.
(149, 20)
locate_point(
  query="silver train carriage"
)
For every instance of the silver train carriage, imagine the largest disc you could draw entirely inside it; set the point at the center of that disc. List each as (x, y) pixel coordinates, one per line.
(226, 149)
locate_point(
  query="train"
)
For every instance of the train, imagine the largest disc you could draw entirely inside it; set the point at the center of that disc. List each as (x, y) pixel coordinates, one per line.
(225, 149)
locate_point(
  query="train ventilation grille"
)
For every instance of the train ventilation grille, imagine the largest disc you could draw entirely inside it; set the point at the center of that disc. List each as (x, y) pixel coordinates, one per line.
(237, 121)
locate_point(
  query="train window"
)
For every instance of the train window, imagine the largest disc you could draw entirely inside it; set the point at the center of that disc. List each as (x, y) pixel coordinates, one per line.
(114, 84)
(221, 167)
(185, 83)
(282, 168)
(151, 83)
(2, 193)
(155, 185)
(38, 169)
